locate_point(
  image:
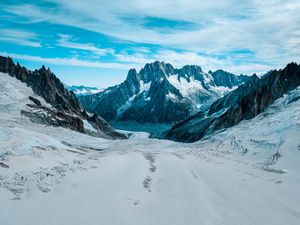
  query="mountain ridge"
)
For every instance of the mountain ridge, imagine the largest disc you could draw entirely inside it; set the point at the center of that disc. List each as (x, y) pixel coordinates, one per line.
(244, 103)
(64, 109)
(79, 90)
(159, 93)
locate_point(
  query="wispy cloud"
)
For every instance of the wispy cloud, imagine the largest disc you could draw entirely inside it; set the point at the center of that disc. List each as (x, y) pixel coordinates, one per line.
(238, 36)
(222, 26)
(66, 41)
(69, 61)
(19, 37)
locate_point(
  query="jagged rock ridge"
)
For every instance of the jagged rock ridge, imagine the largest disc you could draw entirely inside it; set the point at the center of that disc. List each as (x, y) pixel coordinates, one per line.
(244, 103)
(160, 93)
(65, 110)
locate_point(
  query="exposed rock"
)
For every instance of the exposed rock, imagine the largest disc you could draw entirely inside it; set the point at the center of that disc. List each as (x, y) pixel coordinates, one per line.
(66, 111)
(3, 165)
(223, 78)
(244, 103)
(159, 93)
(35, 101)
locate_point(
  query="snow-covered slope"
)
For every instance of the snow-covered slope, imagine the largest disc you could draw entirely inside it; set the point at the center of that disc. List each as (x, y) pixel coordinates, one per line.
(271, 140)
(248, 174)
(15, 100)
(159, 93)
(63, 108)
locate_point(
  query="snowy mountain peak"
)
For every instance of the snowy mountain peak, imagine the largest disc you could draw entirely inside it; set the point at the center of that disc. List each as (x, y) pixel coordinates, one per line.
(158, 93)
(83, 90)
(244, 103)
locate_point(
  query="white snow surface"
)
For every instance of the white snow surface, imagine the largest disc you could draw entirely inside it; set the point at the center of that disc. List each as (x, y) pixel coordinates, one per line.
(58, 176)
(88, 126)
(186, 88)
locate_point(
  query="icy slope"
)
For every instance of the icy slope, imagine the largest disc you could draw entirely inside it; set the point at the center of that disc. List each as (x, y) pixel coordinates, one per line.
(269, 139)
(56, 176)
(65, 110)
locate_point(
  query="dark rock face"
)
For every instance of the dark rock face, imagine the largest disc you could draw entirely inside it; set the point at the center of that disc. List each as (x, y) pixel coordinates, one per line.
(44, 83)
(66, 111)
(35, 101)
(54, 117)
(223, 78)
(244, 103)
(158, 109)
(159, 93)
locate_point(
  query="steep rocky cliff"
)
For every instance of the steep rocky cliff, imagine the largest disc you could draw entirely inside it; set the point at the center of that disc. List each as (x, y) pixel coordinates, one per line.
(160, 93)
(244, 103)
(63, 109)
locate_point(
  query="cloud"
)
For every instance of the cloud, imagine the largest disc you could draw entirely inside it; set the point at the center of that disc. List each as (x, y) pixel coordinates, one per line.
(179, 59)
(66, 41)
(19, 37)
(69, 61)
(268, 29)
(182, 58)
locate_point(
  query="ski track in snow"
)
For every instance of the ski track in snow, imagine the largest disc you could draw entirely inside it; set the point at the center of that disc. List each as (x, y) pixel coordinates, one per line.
(246, 175)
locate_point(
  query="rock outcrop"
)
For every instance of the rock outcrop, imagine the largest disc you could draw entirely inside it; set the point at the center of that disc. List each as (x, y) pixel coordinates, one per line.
(160, 93)
(65, 110)
(244, 103)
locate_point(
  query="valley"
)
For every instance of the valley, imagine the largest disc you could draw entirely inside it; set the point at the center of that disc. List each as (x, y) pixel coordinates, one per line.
(154, 112)
(53, 175)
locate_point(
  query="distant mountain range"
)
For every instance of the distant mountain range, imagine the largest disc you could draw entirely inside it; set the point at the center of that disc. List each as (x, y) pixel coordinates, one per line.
(83, 90)
(198, 103)
(244, 103)
(160, 93)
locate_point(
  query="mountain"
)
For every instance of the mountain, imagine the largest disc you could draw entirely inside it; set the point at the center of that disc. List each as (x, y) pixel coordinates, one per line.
(52, 104)
(83, 90)
(244, 103)
(223, 78)
(160, 93)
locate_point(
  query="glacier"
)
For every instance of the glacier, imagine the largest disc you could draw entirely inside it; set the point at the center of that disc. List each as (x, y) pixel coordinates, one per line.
(247, 174)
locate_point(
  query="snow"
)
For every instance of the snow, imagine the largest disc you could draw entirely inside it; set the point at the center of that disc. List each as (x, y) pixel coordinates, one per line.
(59, 176)
(171, 96)
(222, 90)
(87, 91)
(88, 126)
(144, 86)
(186, 88)
(126, 106)
(81, 90)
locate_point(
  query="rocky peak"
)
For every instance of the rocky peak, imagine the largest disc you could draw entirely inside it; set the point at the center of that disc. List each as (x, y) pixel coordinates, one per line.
(224, 78)
(65, 110)
(133, 77)
(243, 103)
(155, 71)
(191, 71)
(146, 96)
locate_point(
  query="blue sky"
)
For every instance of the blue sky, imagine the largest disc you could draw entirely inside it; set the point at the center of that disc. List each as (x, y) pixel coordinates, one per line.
(95, 42)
